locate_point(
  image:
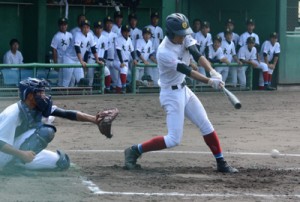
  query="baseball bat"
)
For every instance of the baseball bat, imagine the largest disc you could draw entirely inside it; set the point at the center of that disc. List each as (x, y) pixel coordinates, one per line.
(232, 98)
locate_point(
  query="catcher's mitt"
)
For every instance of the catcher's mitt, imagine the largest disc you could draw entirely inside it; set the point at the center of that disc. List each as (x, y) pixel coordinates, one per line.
(107, 115)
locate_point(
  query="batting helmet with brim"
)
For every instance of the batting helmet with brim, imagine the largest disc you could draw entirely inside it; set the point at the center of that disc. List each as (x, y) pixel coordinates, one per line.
(177, 25)
(250, 40)
(32, 85)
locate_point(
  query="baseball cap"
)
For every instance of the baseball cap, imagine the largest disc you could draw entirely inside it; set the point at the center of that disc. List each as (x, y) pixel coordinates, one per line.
(274, 35)
(205, 24)
(107, 19)
(218, 38)
(155, 14)
(62, 21)
(147, 30)
(85, 22)
(118, 14)
(125, 28)
(229, 21)
(227, 31)
(132, 16)
(98, 24)
(250, 40)
(250, 21)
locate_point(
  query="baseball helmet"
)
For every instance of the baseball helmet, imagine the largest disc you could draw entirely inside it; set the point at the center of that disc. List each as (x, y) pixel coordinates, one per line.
(32, 85)
(250, 40)
(177, 24)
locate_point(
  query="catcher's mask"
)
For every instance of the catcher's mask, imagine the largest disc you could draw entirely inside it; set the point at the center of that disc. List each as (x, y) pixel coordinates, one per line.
(38, 87)
(177, 24)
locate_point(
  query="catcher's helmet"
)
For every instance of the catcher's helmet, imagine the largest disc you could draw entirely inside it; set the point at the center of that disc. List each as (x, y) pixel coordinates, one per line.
(177, 24)
(32, 85)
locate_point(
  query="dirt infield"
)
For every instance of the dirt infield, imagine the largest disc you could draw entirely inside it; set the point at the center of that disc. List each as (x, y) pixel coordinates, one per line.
(267, 120)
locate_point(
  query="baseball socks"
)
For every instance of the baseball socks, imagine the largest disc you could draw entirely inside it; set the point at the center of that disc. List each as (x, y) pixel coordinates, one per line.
(107, 83)
(156, 143)
(123, 78)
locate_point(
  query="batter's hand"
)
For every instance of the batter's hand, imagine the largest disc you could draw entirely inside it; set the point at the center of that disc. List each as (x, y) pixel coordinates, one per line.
(216, 83)
(26, 156)
(215, 75)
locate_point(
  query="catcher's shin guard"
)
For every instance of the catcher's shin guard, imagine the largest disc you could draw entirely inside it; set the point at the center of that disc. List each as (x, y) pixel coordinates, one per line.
(131, 156)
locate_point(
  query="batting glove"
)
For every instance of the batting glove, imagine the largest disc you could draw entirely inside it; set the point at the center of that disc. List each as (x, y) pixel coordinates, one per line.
(215, 75)
(216, 83)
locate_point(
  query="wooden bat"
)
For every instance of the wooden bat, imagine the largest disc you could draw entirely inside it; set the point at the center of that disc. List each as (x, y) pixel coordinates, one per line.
(232, 98)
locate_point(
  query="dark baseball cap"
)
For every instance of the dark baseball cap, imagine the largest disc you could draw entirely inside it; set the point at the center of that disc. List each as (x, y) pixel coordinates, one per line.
(107, 19)
(218, 38)
(155, 15)
(227, 31)
(274, 35)
(85, 22)
(229, 21)
(62, 21)
(125, 28)
(118, 14)
(147, 30)
(205, 24)
(250, 40)
(132, 16)
(98, 24)
(250, 21)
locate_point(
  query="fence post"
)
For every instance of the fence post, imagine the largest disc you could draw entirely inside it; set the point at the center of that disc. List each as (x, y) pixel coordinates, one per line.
(133, 79)
(102, 68)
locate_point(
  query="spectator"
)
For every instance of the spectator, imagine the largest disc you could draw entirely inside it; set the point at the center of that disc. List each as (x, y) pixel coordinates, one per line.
(157, 32)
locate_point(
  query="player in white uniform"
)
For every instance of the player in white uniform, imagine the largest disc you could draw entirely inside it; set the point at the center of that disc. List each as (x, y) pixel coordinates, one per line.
(157, 32)
(23, 135)
(80, 19)
(248, 55)
(135, 32)
(215, 55)
(118, 19)
(144, 51)
(82, 42)
(196, 26)
(249, 33)
(59, 44)
(101, 47)
(123, 50)
(204, 40)
(230, 25)
(176, 98)
(108, 23)
(269, 53)
(13, 56)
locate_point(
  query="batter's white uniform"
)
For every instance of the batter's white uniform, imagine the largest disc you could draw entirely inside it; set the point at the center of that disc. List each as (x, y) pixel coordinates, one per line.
(10, 119)
(248, 55)
(84, 43)
(146, 49)
(126, 48)
(229, 51)
(245, 36)
(101, 47)
(61, 41)
(179, 102)
(110, 56)
(235, 37)
(12, 75)
(218, 55)
(203, 42)
(157, 36)
(270, 50)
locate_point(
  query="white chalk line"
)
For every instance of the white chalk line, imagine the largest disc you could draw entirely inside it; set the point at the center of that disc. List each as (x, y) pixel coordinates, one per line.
(185, 152)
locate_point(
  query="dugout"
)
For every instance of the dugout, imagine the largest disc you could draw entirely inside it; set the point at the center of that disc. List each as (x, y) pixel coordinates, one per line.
(34, 22)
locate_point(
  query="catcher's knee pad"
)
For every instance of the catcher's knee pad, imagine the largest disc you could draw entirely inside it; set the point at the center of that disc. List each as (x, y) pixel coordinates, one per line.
(39, 139)
(63, 163)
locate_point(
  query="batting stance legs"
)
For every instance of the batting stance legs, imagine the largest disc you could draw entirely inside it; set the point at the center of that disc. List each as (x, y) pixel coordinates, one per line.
(178, 104)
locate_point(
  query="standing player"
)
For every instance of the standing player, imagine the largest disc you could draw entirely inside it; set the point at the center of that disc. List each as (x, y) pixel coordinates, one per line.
(196, 26)
(230, 25)
(101, 47)
(157, 32)
(249, 33)
(118, 18)
(23, 135)
(215, 55)
(59, 44)
(135, 33)
(108, 23)
(204, 40)
(176, 98)
(269, 53)
(123, 48)
(82, 42)
(80, 18)
(248, 56)
(144, 51)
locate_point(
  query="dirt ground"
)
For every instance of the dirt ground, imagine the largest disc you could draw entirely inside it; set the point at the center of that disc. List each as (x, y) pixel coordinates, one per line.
(267, 120)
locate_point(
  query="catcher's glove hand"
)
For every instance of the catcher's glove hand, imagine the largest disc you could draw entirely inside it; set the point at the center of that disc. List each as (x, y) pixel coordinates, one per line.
(107, 116)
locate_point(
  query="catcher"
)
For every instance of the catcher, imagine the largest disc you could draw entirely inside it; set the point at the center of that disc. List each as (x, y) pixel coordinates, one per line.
(24, 136)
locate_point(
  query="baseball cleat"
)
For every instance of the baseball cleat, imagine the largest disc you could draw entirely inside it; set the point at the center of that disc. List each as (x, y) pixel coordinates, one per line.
(131, 157)
(223, 167)
(269, 88)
